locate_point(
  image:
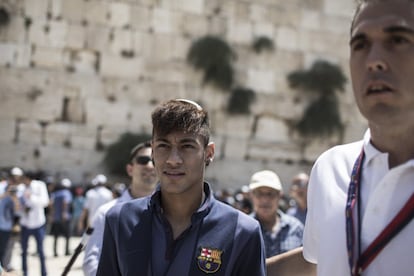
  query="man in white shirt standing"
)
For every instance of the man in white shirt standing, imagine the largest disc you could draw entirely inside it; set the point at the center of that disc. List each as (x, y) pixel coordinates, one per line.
(34, 200)
(361, 195)
(94, 198)
(143, 180)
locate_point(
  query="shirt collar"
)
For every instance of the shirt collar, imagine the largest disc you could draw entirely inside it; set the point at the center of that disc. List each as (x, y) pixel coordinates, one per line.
(370, 151)
(202, 211)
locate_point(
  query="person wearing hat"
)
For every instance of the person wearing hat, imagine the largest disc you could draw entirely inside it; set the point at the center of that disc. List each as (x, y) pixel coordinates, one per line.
(94, 198)
(280, 231)
(60, 215)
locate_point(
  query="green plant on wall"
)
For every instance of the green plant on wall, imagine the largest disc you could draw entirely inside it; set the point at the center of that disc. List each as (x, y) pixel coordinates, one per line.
(240, 100)
(321, 117)
(117, 154)
(214, 57)
(262, 43)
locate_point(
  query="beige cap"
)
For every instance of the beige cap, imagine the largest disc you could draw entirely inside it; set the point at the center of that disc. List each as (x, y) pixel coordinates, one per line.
(265, 178)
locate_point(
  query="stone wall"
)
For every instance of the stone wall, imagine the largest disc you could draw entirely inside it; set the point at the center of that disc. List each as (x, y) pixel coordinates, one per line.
(74, 73)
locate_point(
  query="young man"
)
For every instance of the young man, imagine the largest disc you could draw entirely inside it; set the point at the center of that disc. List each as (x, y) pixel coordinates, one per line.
(143, 180)
(181, 229)
(361, 195)
(280, 232)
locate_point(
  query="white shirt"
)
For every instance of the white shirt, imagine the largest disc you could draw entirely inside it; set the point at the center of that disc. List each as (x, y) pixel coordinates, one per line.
(37, 201)
(383, 193)
(95, 198)
(94, 244)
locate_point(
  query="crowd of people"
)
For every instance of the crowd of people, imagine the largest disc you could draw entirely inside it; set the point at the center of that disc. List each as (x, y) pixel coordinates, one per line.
(34, 205)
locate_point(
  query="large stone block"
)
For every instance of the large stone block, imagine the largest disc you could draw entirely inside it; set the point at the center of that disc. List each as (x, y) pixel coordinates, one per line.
(97, 38)
(47, 57)
(194, 25)
(287, 39)
(36, 8)
(122, 41)
(261, 80)
(191, 6)
(75, 36)
(73, 10)
(96, 12)
(82, 61)
(118, 14)
(240, 32)
(269, 128)
(163, 21)
(117, 66)
(140, 17)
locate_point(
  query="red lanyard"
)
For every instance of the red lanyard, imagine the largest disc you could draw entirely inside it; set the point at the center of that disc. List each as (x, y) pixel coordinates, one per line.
(404, 216)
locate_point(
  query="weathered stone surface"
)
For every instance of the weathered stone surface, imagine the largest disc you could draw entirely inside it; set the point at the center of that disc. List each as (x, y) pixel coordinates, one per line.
(75, 71)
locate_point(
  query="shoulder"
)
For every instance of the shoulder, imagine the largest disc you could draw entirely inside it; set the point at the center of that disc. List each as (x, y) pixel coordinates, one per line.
(128, 209)
(290, 220)
(341, 154)
(226, 212)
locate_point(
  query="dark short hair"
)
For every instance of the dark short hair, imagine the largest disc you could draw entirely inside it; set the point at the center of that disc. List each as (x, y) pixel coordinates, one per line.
(360, 3)
(181, 115)
(137, 148)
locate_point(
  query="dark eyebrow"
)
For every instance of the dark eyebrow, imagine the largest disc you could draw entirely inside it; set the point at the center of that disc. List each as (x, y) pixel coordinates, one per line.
(389, 30)
(398, 29)
(357, 37)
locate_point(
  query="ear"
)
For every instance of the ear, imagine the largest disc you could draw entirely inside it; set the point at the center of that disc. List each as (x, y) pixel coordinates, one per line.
(209, 152)
(128, 169)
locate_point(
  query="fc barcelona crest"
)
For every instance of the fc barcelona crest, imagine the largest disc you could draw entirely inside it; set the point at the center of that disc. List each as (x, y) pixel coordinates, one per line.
(209, 259)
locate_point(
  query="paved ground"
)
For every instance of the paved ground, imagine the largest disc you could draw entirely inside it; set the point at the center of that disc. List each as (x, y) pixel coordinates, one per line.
(55, 265)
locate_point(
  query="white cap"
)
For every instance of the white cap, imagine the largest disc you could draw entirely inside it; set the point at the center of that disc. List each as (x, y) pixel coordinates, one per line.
(265, 178)
(65, 182)
(16, 171)
(99, 179)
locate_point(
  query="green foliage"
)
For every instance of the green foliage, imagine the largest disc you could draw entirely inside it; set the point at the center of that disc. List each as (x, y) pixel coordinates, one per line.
(321, 117)
(240, 100)
(262, 43)
(117, 154)
(323, 77)
(214, 56)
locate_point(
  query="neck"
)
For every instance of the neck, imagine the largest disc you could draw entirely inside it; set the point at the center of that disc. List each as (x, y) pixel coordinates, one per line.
(269, 223)
(139, 190)
(179, 211)
(398, 144)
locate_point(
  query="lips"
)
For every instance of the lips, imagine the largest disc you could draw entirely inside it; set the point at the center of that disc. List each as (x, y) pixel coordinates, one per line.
(378, 88)
(173, 173)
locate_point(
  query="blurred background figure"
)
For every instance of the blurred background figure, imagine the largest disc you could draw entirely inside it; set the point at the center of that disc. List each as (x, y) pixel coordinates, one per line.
(34, 200)
(94, 198)
(299, 193)
(77, 207)
(280, 231)
(9, 205)
(118, 189)
(16, 187)
(60, 213)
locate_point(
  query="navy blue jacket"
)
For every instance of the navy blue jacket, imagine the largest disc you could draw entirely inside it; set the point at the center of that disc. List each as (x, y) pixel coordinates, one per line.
(220, 241)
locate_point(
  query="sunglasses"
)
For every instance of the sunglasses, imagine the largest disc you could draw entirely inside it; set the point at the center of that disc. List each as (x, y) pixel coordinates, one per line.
(143, 160)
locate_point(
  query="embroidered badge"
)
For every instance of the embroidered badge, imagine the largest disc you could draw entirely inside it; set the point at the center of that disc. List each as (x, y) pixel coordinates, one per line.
(209, 259)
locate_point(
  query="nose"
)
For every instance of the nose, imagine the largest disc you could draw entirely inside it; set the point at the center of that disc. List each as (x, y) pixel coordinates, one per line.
(375, 61)
(174, 157)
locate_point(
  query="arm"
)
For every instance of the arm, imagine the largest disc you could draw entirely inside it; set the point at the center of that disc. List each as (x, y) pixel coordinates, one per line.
(94, 245)
(290, 263)
(108, 261)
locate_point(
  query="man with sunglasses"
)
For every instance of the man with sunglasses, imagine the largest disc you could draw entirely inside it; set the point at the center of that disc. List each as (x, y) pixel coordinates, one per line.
(181, 229)
(140, 169)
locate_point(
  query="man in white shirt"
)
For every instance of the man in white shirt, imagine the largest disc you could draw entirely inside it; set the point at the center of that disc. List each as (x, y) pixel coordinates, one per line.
(361, 195)
(94, 198)
(34, 200)
(143, 180)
